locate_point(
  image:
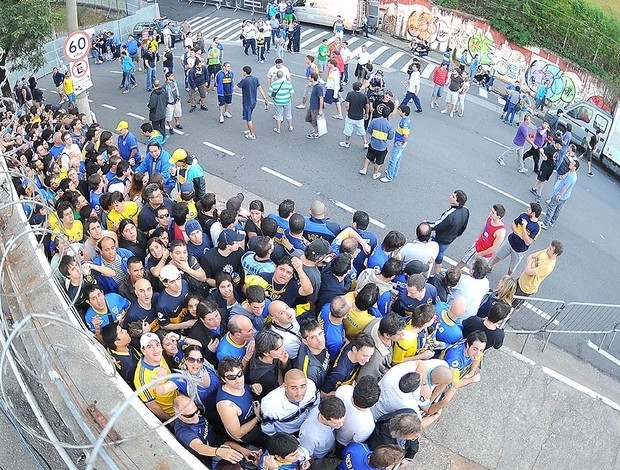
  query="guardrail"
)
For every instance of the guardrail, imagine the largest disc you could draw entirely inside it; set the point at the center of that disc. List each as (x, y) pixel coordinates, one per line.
(594, 322)
(42, 337)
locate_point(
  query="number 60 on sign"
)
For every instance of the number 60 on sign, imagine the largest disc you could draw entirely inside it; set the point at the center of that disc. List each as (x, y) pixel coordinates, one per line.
(77, 45)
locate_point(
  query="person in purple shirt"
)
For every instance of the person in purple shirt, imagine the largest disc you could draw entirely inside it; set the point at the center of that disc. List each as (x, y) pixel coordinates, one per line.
(518, 142)
(540, 138)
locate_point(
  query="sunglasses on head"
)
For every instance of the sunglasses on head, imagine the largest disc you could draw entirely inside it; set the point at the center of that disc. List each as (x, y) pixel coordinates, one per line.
(191, 415)
(236, 376)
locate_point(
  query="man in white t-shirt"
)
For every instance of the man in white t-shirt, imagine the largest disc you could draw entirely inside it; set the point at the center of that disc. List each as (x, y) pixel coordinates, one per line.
(274, 69)
(423, 248)
(358, 421)
(363, 58)
(317, 432)
(473, 287)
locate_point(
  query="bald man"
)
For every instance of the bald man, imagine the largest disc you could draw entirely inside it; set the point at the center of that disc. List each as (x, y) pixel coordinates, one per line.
(284, 322)
(318, 226)
(450, 327)
(287, 407)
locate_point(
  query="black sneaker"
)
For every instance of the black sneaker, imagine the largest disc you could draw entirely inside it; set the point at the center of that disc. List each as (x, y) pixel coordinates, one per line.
(192, 109)
(171, 131)
(590, 173)
(204, 108)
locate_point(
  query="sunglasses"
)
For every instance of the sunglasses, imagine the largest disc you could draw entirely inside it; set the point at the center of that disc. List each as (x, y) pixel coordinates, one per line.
(236, 376)
(193, 360)
(191, 415)
(163, 216)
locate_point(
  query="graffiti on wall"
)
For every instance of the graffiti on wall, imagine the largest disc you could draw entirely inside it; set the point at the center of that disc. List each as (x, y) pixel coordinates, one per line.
(446, 29)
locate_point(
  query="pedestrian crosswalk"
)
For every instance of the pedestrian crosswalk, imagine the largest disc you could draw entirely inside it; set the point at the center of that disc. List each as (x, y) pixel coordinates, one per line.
(382, 56)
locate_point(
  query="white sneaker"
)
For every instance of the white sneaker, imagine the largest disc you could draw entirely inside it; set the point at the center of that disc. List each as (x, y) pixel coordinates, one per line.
(444, 111)
(337, 116)
(344, 144)
(365, 146)
(276, 130)
(376, 176)
(385, 180)
(460, 114)
(432, 105)
(362, 171)
(221, 119)
(246, 132)
(250, 136)
(290, 129)
(300, 106)
(522, 170)
(227, 115)
(452, 114)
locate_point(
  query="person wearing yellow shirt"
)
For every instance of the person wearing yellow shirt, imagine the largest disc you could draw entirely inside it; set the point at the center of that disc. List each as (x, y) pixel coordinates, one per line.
(69, 90)
(360, 314)
(69, 227)
(121, 209)
(414, 344)
(537, 267)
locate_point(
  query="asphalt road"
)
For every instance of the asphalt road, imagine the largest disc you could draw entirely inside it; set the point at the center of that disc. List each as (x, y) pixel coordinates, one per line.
(444, 154)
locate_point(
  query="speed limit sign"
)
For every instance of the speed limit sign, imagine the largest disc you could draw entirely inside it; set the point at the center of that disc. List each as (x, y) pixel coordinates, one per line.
(77, 45)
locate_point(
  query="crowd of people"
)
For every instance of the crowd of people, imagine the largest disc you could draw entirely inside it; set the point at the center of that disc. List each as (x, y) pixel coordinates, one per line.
(272, 341)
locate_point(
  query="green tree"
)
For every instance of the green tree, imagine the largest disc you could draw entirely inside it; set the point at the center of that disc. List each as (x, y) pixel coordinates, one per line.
(25, 27)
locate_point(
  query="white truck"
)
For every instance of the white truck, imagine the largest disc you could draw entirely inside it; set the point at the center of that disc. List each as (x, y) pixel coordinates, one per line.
(585, 118)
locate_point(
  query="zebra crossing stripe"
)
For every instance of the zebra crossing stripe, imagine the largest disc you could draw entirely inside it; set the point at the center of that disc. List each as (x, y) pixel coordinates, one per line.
(359, 49)
(428, 70)
(483, 92)
(203, 22)
(392, 60)
(223, 29)
(305, 32)
(374, 55)
(316, 37)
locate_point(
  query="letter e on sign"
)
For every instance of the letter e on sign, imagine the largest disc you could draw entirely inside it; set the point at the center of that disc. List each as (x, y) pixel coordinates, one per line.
(76, 45)
(79, 68)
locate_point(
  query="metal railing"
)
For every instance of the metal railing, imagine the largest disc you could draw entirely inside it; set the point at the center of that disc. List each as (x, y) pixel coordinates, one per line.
(598, 323)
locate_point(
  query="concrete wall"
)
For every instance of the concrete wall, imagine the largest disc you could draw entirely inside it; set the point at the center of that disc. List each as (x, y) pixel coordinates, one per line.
(53, 50)
(530, 65)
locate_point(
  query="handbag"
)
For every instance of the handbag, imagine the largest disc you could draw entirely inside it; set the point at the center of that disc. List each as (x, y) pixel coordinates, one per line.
(275, 93)
(321, 124)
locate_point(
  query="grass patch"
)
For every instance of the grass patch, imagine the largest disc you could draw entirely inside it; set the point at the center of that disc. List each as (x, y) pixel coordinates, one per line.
(87, 17)
(609, 7)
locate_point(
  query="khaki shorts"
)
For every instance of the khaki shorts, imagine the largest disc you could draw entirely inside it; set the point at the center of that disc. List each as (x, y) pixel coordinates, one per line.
(202, 91)
(311, 116)
(173, 110)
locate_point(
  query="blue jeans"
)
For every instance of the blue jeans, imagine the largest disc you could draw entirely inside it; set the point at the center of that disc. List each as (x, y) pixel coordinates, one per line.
(442, 249)
(414, 97)
(394, 165)
(510, 112)
(128, 80)
(150, 78)
(553, 210)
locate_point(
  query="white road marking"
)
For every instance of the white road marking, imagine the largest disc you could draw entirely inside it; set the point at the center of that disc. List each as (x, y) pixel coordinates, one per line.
(116, 71)
(581, 388)
(109, 106)
(503, 193)
(53, 91)
(202, 23)
(604, 353)
(349, 209)
(226, 27)
(406, 66)
(428, 70)
(316, 37)
(498, 143)
(378, 52)
(357, 50)
(281, 176)
(219, 149)
(178, 131)
(305, 32)
(392, 60)
(538, 312)
(501, 100)
(137, 116)
(483, 92)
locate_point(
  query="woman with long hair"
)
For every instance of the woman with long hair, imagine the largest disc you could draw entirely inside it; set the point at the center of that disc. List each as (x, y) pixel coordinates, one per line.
(226, 293)
(132, 238)
(505, 291)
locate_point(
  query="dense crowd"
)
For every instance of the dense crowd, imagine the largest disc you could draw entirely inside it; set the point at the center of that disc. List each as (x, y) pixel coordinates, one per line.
(269, 341)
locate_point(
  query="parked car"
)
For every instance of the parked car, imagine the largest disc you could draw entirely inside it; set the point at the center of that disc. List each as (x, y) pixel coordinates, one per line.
(156, 26)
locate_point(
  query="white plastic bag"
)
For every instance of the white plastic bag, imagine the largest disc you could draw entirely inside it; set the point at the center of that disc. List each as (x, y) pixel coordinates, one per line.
(321, 123)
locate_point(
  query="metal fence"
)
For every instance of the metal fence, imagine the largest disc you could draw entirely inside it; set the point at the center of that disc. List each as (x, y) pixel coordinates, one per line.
(596, 323)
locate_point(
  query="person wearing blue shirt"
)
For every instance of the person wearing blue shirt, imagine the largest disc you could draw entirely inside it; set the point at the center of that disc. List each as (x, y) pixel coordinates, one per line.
(357, 456)
(128, 144)
(450, 327)
(318, 226)
(114, 260)
(330, 319)
(234, 343)
(225, 84)
(393, 241)
(381, 132)
(401, 137)
(249, 85)
(285, 209)
(561, 194)
(360, 223)
(105, 309)
(157, 160)
(418, 292)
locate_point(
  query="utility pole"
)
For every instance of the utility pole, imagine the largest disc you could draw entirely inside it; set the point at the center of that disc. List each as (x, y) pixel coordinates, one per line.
(72, 24)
